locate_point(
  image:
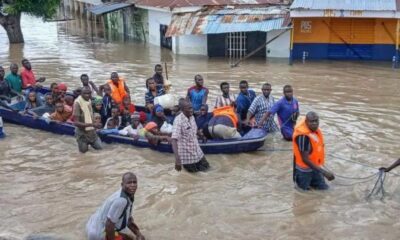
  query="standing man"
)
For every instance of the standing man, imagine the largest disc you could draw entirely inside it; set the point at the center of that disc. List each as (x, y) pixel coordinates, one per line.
(14, 79)
(119, 89)
(309, 155)
(184, 141)
(244, 100)
(158, 77)
(87, 83)
(226, 99)
(28, 77)
(113, 220)
(197, 94)
(85, 132)
(288, 111)
(261, 105)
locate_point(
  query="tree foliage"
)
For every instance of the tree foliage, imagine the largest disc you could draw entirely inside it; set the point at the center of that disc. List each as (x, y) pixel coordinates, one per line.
(40, 8)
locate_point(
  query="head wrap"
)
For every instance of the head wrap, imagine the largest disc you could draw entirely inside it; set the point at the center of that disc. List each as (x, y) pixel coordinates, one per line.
(158, 108)
(62, 86)
(97, 100)
(135, 116)
(150, 126)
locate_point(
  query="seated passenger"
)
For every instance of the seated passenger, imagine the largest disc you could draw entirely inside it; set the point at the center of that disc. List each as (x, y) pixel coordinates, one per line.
(48, 107)
(107, 104)
(97, 121)
(153, 91)
(6, 92)
(33, 101)
(224, 123)
(77, 92)
(114, 122)
(126, 109)
(203, 118)
(133, 128)
(153, 135)
(69, 101)
(202, 122)
(161, 120)
(62, 114)
(61, 91)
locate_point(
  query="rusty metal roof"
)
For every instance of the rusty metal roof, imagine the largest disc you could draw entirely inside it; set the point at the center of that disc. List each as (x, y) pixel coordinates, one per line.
(196, 3)
(216, 20)
(351, 5)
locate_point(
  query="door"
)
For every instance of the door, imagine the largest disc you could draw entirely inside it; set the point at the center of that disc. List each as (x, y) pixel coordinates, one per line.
(165, 42)
(351, 38)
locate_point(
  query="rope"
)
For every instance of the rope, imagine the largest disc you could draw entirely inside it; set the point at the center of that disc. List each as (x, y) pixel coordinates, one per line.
(354, 183)
(361, 164)
(378, 188)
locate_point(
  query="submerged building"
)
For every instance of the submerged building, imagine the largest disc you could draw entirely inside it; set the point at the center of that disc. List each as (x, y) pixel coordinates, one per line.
(214, 28)
(342, 29)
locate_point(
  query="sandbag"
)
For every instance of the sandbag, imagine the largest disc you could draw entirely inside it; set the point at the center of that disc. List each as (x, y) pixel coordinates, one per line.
(167, 101)
(166, 128)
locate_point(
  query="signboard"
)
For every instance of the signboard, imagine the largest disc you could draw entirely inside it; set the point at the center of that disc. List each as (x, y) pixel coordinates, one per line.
(306, 26)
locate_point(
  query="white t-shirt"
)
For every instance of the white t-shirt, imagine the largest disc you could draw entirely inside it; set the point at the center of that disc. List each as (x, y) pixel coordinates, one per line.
(112, 209)
(129, 130)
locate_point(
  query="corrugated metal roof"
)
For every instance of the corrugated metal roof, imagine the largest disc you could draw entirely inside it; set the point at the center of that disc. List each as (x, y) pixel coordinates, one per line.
(196, 3)
(352, 5)
(108, 7)
(213, 21)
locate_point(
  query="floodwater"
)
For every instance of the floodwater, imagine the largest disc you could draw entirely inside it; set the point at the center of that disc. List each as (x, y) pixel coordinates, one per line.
(48, 188)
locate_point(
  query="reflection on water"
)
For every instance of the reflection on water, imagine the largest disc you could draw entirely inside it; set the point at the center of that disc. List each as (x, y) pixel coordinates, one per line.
(47, 187)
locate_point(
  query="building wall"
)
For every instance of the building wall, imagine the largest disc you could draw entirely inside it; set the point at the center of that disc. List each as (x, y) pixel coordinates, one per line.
(155, 19)
(344, 38)
(280, 47)
(191, 45)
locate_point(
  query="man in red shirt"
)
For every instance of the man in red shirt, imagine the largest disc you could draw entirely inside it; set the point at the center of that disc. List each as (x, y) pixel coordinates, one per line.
(27, 75)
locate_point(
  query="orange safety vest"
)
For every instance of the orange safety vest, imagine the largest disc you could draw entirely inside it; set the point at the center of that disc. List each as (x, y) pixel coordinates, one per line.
(227, 111)
(317, 155)
(117, 93)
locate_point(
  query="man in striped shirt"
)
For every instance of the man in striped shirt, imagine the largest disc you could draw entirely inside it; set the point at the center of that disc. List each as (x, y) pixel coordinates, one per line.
(226, 99)
(261, 105)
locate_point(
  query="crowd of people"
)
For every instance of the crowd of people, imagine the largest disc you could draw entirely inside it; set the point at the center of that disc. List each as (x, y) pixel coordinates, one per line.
(108, 108)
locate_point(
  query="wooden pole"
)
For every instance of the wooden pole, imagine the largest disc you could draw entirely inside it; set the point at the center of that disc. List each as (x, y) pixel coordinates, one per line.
(397, 42)
(291, 44)
(166, 70)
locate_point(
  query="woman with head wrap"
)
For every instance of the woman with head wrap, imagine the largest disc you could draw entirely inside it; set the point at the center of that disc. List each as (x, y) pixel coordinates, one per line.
(161, 120)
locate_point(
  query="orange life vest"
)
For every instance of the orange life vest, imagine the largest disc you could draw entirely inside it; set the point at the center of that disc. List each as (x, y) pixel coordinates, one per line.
(117, 93)
(227, 111)
(317, 155)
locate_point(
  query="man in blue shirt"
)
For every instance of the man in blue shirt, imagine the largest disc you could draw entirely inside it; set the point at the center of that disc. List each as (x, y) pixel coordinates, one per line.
(197, 94)
(244, 99)
(288, 111)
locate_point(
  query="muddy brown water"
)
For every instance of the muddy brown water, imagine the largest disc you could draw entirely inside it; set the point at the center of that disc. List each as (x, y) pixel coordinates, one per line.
(48, 188)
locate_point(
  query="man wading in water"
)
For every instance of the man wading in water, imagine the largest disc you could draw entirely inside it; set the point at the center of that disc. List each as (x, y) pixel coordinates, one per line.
(85, 132)
(113, 220)
(184, 141)
(309, 155)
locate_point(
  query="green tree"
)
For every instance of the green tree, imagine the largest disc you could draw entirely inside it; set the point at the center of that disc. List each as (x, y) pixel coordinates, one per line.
(10, 14)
